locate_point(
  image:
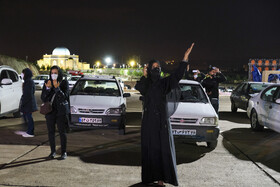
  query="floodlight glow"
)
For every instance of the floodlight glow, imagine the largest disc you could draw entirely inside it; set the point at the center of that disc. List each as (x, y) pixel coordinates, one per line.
(108, 60)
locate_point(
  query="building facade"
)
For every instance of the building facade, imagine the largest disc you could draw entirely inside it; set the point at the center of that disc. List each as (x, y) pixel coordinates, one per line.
(61, 57)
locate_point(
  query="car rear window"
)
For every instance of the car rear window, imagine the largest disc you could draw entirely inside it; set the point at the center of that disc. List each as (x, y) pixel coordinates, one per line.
(192, 93)
(96, 87)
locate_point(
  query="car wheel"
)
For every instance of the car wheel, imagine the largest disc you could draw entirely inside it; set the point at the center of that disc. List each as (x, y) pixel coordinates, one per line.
(255, 125)
(233, 107)
(212, 144)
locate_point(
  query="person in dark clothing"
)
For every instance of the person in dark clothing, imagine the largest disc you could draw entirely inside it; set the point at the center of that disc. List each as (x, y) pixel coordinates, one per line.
(211, 85)
(56, 89)
(157, 144)
(28, 103)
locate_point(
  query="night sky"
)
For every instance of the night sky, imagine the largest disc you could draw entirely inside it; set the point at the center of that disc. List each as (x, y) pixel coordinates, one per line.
(225, 32)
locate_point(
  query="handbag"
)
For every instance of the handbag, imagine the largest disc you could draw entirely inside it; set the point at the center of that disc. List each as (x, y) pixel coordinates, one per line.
(46, 107)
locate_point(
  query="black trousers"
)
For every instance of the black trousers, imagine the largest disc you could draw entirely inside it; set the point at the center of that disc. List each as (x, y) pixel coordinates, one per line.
(52, 119)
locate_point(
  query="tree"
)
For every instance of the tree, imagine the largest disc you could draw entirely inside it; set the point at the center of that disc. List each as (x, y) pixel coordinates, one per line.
(43, 67)
(48, 67)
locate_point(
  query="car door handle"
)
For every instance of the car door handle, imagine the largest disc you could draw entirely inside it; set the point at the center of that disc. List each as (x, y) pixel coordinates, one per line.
(258, 102)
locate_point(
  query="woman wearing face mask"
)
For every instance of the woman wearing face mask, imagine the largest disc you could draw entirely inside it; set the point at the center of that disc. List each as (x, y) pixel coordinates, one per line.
(28, 103)
(56, 89)
(157, 146)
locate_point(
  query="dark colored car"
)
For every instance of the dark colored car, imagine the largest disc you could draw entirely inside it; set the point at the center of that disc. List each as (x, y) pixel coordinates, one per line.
(243, 92)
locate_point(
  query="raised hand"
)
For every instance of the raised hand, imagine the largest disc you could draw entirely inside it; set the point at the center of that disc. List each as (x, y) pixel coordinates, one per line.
(187, 53)
(55, 83)
(48, 84)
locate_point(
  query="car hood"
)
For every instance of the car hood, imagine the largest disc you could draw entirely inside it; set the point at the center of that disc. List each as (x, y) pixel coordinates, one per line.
(194, 110)
(89, 101)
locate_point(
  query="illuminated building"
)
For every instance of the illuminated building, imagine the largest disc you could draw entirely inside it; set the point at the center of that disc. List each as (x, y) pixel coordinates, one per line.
(61, 57)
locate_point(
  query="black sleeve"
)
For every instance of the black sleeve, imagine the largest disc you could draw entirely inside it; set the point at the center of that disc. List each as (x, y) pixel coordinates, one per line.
(62, 92)
(46, 93)
(221, 77)
(142, 85)
(26, 93)
(172, 81)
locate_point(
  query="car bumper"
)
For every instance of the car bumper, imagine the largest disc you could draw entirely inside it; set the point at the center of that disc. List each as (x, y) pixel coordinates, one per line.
(203, 133)
(113, 122)
(38, 87)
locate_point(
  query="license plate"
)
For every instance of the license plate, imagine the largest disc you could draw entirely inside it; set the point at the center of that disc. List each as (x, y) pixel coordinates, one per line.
(191, 132)
(90, 120)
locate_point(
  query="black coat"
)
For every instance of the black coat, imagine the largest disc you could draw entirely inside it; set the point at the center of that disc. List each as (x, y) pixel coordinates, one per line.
(60, 105)
(211, 84)
(157, 144)
(28, 101)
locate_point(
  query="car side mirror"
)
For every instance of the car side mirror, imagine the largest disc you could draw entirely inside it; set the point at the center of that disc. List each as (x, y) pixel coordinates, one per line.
(278, 101)
(6, 82)
(126, 95)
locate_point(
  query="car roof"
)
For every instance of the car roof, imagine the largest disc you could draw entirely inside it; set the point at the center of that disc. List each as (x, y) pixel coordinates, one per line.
(98, 77)
(6, 67)
(185, 81)
(252, 82)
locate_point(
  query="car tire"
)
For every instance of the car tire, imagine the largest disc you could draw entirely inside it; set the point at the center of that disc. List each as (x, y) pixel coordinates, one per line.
(233, 107)
(212, 144)
(255, 125)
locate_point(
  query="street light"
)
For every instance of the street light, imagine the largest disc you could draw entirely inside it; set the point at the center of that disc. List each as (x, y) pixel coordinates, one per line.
(97, 64)
(132, 63)
(108, 60)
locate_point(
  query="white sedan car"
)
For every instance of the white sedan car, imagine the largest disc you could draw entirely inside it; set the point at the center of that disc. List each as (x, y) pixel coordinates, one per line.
(264, 109)
(72, 81)
(40, 81)
(98, 102)
(195, 118)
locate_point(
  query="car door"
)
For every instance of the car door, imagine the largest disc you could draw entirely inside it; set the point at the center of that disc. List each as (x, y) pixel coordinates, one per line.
(16, 89)
(265, 105)
(5, 94)
(244, 97)
(274, 112)
(236, 95)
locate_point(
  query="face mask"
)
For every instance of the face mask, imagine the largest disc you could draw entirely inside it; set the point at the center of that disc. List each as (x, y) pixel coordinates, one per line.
(155, 74)
(22, 75)
(195, 76)
(54, 76)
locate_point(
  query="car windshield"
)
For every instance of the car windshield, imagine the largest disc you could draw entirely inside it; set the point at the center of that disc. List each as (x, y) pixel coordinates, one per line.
(41, 78)
(96, 87)
(74, 78)
(192, 93)
(257, 88)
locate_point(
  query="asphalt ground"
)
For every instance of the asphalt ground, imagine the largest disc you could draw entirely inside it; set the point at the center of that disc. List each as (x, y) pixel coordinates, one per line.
(104, 158)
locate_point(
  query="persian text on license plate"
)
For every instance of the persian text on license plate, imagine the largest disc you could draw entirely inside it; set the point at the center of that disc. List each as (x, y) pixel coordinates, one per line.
(90, 120)
(191, 132)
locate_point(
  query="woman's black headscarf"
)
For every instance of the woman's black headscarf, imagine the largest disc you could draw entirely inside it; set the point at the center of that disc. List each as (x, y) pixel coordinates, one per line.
(27, 74)
(60, 74)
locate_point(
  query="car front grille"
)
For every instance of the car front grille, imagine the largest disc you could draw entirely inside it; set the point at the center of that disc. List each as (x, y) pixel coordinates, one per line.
(94, 111)
(183, 120)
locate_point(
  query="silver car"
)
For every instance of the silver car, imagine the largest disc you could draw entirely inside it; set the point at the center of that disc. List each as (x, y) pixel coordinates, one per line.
(264, 109)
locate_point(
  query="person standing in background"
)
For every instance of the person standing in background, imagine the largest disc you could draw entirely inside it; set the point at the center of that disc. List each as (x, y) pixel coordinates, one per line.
(28, 103)
(211, 85)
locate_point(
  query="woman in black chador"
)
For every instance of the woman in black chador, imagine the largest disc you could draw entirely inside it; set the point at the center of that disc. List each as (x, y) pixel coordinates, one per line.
(157, 145)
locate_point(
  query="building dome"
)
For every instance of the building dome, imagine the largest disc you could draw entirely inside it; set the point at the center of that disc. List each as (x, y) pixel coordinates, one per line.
(61, 51)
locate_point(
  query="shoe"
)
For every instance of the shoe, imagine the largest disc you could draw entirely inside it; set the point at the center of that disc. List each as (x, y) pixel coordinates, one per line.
(52, 155)
(20, 132)
(26, 135)
(63, 156)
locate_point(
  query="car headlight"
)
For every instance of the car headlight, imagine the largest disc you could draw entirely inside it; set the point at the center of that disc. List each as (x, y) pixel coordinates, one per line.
(209, 121)
(115, 111)
(73, 110)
